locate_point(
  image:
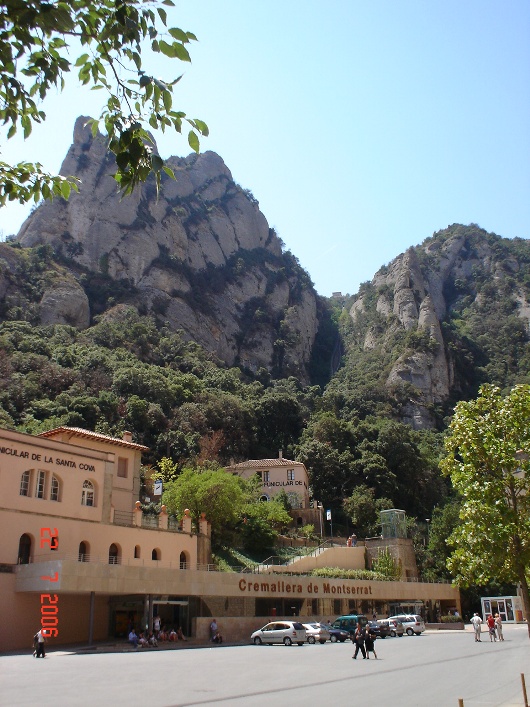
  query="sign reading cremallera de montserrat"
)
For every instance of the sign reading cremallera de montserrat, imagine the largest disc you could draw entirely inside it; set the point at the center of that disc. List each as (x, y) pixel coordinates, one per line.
(281, 586)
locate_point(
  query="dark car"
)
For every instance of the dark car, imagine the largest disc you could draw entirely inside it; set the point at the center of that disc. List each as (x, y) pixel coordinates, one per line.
(380, 630)
(337, 634)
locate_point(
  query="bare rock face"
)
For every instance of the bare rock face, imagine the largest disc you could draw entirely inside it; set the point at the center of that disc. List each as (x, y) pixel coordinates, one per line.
(49, 295)
(201, 257)
(65, 303)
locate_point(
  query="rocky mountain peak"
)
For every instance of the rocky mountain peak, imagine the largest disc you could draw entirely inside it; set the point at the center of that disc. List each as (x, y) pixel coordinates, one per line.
(201, 257)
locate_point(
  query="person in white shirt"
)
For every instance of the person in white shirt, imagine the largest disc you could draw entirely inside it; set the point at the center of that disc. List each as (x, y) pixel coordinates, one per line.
(39, 639)
(476, 621)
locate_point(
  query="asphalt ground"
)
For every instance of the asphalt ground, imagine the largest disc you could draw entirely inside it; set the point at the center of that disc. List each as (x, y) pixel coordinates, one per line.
(432, 670)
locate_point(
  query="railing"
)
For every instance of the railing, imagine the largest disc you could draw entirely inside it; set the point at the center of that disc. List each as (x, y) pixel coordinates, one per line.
(173, 524)
(177, 565)
(123, 518)
(149, 521)
(276, 561)
(131, 562)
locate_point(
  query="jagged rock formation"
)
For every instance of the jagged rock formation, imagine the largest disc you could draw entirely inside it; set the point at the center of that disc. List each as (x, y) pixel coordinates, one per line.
(436, 313)
(50, 297)
(201, 257)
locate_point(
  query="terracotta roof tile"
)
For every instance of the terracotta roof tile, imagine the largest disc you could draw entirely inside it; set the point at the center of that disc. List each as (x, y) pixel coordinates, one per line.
(88, 434)
(260, 463)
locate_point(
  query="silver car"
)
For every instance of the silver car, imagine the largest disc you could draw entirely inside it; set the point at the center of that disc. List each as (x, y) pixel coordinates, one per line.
(316, 632)
(286, 632)
(412, 623)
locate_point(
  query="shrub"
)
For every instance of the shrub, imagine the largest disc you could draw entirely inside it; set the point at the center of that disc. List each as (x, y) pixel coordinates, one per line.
(450, 619)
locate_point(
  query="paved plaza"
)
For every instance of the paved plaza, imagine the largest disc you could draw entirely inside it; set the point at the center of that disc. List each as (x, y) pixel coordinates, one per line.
(432, 670)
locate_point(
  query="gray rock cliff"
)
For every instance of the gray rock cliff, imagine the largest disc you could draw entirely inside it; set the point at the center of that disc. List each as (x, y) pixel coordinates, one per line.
(201, 257)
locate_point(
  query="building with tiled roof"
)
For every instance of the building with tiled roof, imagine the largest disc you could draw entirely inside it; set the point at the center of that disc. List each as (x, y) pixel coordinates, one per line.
(277, 475)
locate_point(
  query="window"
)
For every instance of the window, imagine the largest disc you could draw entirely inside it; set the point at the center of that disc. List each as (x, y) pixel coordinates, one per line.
(156, 554)
(83, 552)
(87, 495)
(24, 549)
(114, 555)
(41, 484)
(122, 467)
(24, 483)
(183, 561)
(290, 474)
(266, 475)
(137, 552)
(55, 489)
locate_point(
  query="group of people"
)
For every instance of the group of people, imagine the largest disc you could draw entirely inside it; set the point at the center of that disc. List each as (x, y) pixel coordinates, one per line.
(152, 638)
(364, 639)
(494, 624)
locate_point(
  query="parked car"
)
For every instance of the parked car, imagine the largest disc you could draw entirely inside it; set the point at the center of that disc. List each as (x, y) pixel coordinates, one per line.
(412, 623)
(379, 629)
(337, 634)
(349, 622)
(316, 632)
(395, 627)
(286, 632)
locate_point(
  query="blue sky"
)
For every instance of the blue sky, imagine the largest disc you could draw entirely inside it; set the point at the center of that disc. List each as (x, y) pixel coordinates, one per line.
(360, 126)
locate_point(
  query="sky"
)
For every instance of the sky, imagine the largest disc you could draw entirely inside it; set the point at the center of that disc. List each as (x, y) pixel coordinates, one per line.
(361, 126)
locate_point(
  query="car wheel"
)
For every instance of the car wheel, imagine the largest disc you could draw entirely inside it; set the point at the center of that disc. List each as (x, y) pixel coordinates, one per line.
(418, 634)
(287, 641)
(393, 634)
(300, 643)
(333, 638)
(410, 632)
(382, 636)
(400, 635)
(322, 641)
(257, 641)
(311, 639)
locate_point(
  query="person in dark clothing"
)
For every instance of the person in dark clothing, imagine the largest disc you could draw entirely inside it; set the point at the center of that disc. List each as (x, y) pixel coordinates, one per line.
(359, 642)
(369, 639)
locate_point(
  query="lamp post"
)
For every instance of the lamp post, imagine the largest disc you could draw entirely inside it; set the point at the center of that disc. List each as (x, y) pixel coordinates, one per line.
(320, 508)
(427, 520)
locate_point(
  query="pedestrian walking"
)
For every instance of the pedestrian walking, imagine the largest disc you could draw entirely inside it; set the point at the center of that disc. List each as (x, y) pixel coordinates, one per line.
(359, 642)
(477, 621)
(39, 639)
(498, 626)
(369, 640)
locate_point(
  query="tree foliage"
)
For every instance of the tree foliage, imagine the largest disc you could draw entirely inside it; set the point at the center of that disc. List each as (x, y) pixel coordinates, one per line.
(489, 465)
(220, 496)
(110, 38)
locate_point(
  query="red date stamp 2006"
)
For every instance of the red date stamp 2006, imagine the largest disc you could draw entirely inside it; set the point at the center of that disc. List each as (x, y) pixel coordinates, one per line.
(49, 608)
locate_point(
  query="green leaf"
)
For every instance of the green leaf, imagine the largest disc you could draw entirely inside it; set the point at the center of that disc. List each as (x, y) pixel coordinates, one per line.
(168, 100)
(163, 15)
(65, 189)
(81, 60)
(177, 33)
(157, 162)
(180, 52)
(166, 49)
(193, 141)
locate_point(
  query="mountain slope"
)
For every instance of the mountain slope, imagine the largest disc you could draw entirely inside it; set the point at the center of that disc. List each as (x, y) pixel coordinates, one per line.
(437, 322)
